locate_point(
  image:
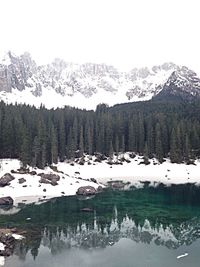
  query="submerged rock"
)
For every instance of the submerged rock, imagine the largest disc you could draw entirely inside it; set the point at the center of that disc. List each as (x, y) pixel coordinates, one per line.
(6, 179)
(87, 210)
(86, 191)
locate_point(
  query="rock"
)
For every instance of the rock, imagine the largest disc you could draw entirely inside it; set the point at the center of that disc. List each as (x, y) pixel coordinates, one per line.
(6, 179)
(33, 173)
(54, 168)
(44, 190)
(44, 181)
(54, 183)
(122, 159)
(99, 157)
(40, 174)
(81, 161)
(78, 154)
(132, 155)
(21, 180)
(86, 191)
(6, 201)
(51, 177)
(118, 185)
(93, 180)
(9, 241)
(99, 189)
(23, 170)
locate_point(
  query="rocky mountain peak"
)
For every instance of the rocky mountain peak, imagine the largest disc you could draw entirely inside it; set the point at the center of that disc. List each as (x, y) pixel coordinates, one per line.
(183, 83)
(86, 85)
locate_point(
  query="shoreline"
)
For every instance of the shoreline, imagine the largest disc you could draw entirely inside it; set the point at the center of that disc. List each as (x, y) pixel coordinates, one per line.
(92, 173)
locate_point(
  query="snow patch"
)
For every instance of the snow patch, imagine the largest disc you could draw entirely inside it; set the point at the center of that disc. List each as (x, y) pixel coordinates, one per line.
(2, 261)
(131, 173)
(18, 237)
(2, 246)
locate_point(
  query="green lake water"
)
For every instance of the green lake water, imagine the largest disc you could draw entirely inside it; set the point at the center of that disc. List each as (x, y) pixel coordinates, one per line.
(147, 227)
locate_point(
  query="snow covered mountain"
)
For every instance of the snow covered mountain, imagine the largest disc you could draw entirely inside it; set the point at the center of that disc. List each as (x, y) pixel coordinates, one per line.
(183, 83)
(86, 85)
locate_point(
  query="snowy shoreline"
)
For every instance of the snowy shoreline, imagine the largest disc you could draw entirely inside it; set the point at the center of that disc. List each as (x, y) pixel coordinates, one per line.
(73, 175)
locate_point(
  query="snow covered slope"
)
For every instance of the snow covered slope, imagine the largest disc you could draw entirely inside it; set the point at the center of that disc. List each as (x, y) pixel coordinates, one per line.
(183, 83)
(80, 85)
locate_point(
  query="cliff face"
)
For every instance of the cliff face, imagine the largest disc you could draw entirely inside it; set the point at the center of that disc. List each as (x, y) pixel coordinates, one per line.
(15, 72)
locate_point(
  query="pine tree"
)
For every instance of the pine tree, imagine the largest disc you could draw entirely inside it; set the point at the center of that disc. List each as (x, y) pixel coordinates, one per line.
(61, 139)
(70, 145)
(141, 134)
(36, 152)
(122, 147)
(25, 155)
(117, 144)
(158, 144)
(111, 150)
(81, 145)
(54, 146)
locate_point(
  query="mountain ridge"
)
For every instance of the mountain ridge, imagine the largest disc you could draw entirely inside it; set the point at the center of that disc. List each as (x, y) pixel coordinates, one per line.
(86, 85)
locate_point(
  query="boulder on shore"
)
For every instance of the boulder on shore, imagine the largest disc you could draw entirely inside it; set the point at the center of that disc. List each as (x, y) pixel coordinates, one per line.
(50, 176)
(6, 179)
(86, 191)
(21, 180)
(6, 201)
(49, 179)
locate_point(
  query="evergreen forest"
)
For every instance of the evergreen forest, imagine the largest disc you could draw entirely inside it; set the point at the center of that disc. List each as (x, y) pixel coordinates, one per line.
(40, 137)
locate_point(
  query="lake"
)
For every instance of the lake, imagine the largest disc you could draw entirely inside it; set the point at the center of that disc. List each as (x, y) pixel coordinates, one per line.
(147, 227)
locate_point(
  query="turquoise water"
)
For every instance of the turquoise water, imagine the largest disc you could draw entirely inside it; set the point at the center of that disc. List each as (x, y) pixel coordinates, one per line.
(145, 228)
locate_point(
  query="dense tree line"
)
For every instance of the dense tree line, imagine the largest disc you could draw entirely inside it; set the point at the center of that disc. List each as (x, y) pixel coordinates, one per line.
(41, 137)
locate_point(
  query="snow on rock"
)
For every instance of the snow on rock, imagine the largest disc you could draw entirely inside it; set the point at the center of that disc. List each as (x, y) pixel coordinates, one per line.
(18, 237)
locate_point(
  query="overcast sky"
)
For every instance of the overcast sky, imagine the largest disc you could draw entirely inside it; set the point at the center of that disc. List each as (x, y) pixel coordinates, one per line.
(126, 33)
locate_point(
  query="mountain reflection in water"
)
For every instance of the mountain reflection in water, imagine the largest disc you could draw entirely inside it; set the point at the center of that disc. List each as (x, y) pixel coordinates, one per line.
(165, 216)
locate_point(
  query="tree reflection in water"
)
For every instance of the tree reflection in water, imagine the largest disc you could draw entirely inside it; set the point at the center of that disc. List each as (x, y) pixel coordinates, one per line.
(166, 216)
